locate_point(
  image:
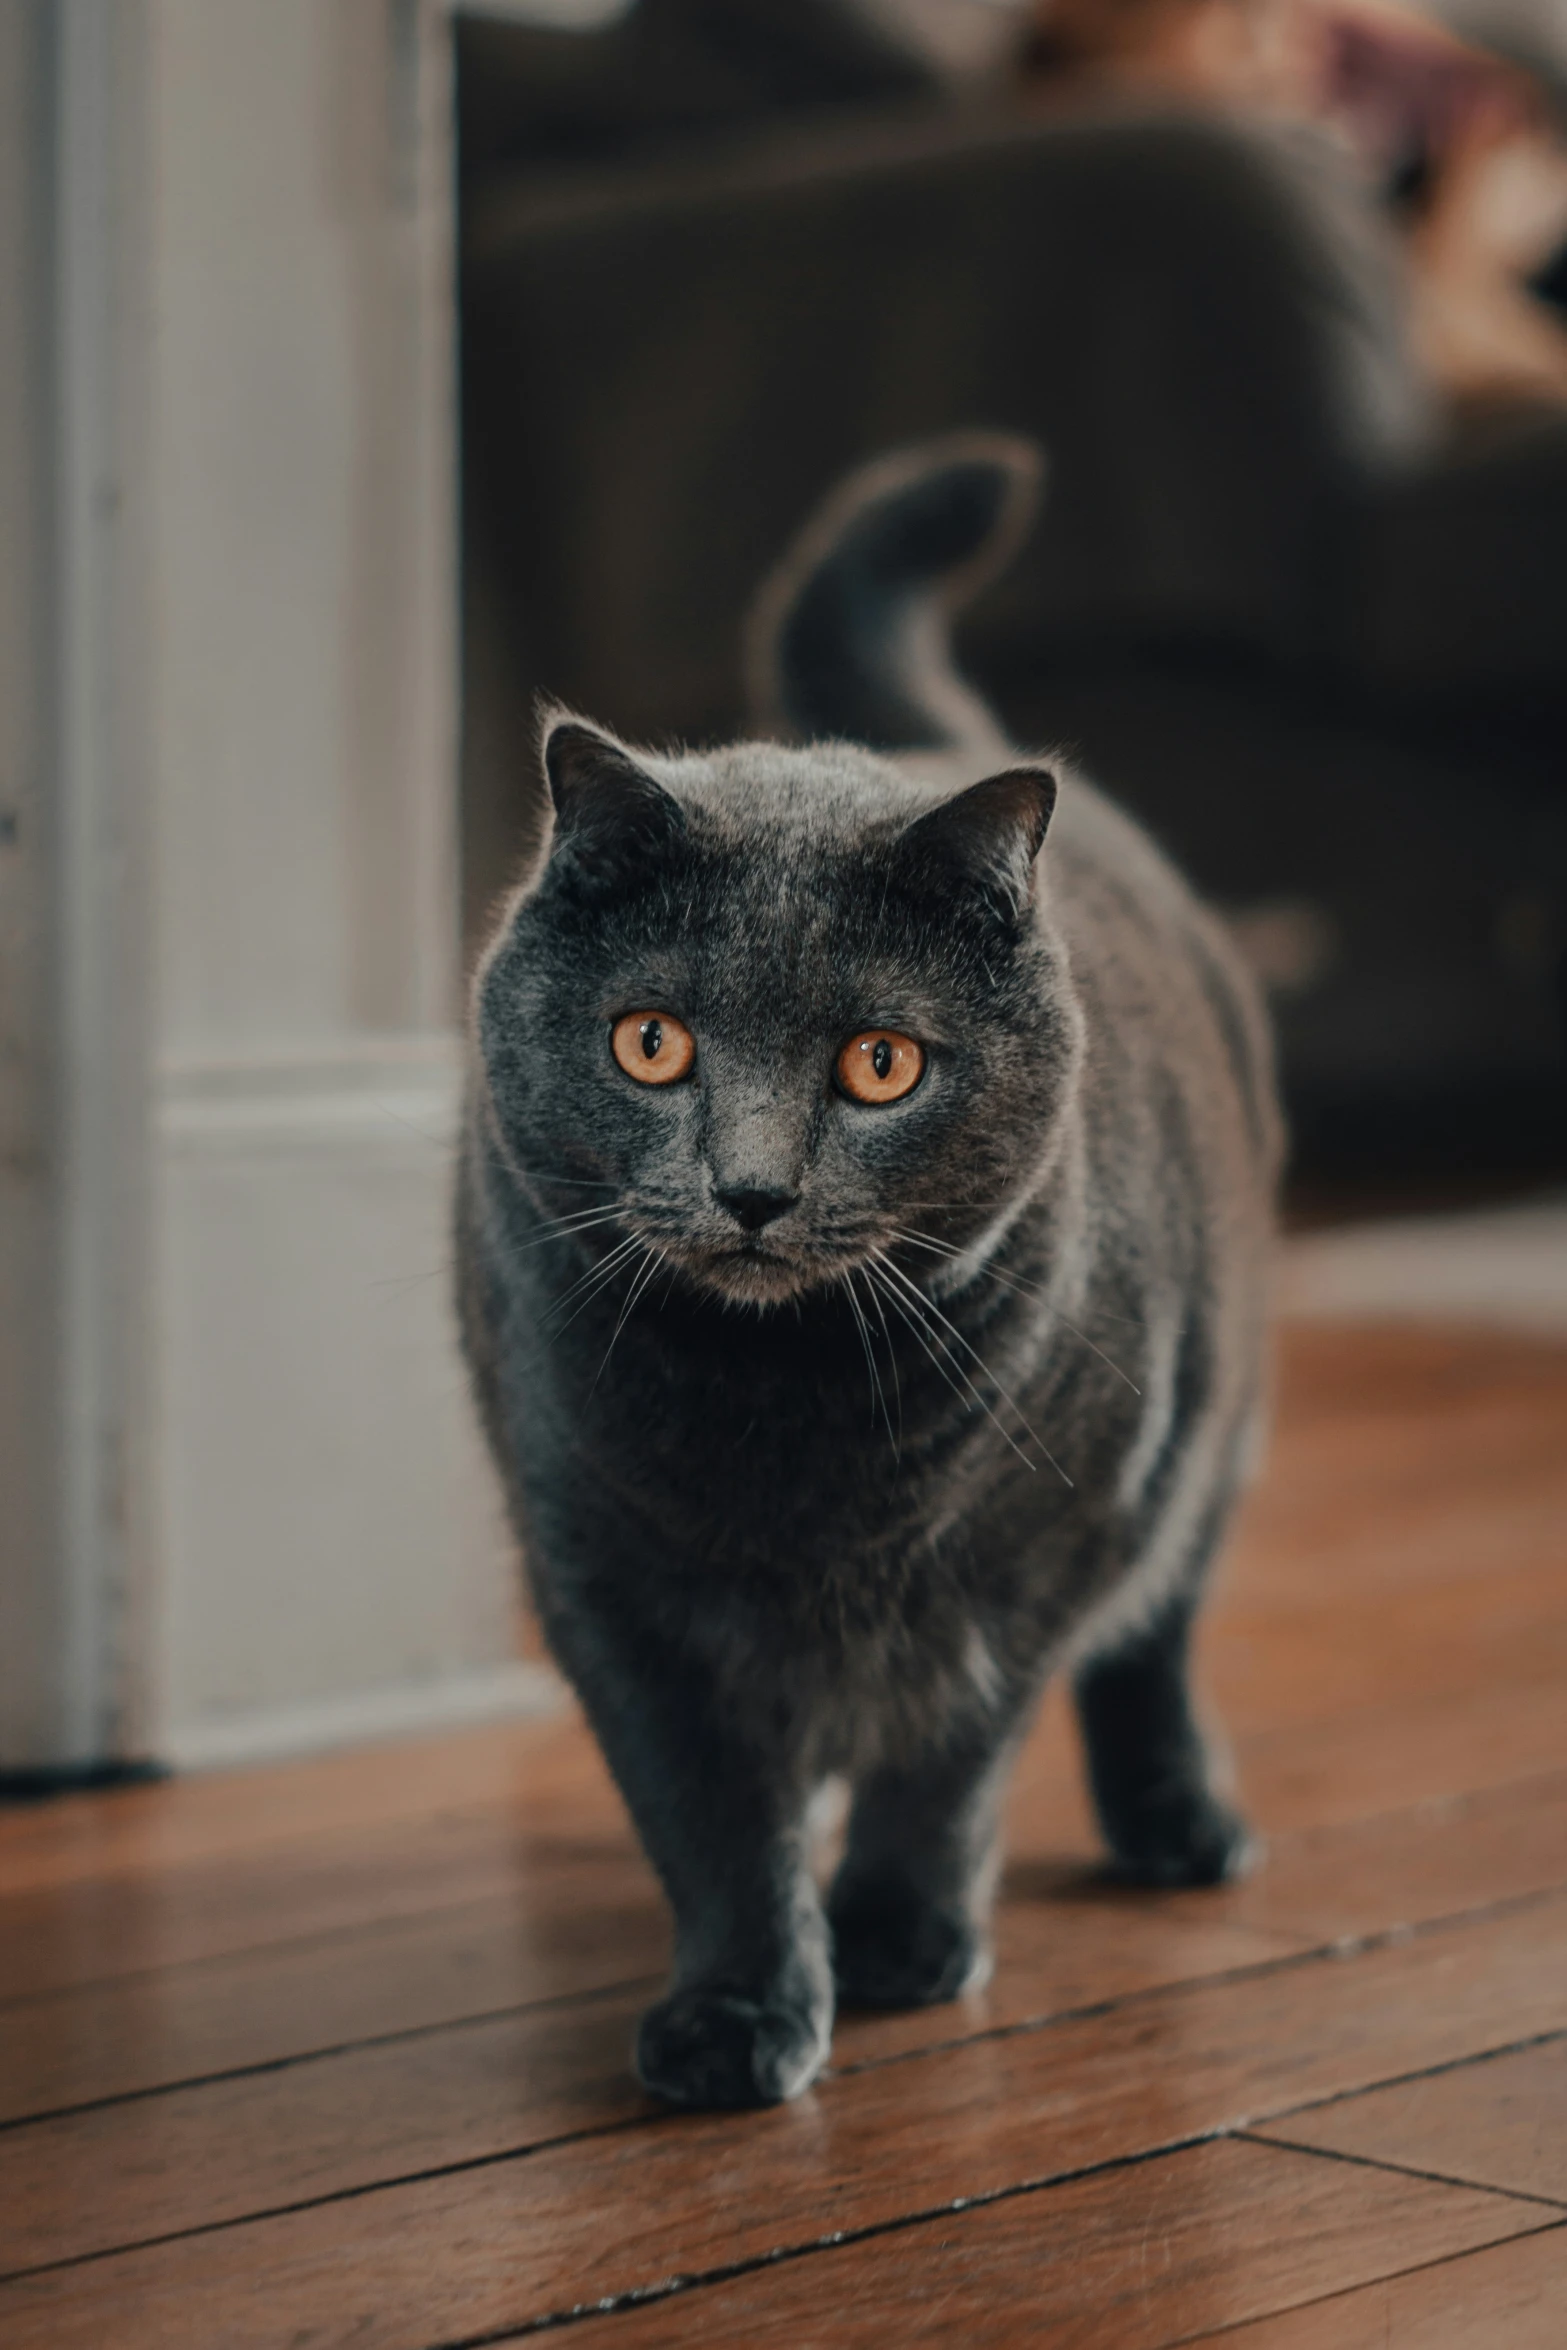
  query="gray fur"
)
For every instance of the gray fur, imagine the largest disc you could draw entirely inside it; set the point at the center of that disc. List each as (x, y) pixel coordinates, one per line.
(823, 1498)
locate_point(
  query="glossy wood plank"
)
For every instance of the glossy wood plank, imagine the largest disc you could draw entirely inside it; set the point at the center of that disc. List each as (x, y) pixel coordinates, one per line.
(1335, 1374)
(567, 1932)
(1403, 1868)
(258, 2143)
(1349, 1764)
(1501, 2122)
(194, 2157)
(227, 1815)
(1287, 1665)
(317, 1847)
(578, 1928)
(1355, 1763)
(1433, 1860)
(1403, 1460)
(1065, 1939)
(481, 2250)
(579, 1920)
(1383, 1757)
(1354, 1766)
(1405, 1457)
(1510, 2298)
(95, 1931)
(1126, 2260)
(1482, 1504)
(551, 1805)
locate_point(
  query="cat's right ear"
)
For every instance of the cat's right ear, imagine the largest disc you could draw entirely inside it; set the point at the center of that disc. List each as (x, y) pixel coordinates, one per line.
(985, 840)
(611, 817)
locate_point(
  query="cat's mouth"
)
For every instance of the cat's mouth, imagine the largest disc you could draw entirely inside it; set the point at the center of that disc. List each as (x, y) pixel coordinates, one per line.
(755, 1269)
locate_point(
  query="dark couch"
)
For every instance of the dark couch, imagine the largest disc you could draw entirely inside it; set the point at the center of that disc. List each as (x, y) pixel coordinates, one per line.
(1322, 655)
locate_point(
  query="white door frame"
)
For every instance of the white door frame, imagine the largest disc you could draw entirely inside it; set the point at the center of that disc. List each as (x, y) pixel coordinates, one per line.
(75, 1588)
(242, 1507)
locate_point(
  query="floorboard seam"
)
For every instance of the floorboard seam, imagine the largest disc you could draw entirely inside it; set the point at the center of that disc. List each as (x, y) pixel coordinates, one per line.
(1343, 1948)
(1328, 1953)
(1366, 2285)
(1409, 2170)
(668, 2288)
(1420, 2072)
(413, 2178)
(1083, 2012)
(700, 2280)
(308, 1845)
(285, 2064)
(248, 1953)
(368, 1927)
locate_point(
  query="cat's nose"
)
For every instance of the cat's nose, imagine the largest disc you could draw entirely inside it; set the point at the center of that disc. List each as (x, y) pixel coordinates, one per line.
(752, 1208)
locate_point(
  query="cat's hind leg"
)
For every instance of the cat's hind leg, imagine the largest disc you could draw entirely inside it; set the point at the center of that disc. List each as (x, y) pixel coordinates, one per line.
(1148, 1762)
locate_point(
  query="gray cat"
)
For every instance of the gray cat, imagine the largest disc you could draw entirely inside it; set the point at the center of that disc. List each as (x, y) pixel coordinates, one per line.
(863, 1221)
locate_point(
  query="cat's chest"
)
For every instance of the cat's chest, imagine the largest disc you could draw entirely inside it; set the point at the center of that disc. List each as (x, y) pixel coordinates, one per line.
(742, 1457)
(773, 1456)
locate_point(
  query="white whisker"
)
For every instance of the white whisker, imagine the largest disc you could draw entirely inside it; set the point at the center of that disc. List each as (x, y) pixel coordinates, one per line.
(928, 1305)
(1023, 1288)
(563, 1228)
(653, 1258)
(541, 1177)
(892, 1352)
(863, 1327)
(596, 1279)
(946, 1363)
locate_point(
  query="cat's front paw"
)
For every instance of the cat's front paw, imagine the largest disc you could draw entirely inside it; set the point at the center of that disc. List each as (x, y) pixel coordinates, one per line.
(894, 1948)
(1194, 1839)
(706, 2047)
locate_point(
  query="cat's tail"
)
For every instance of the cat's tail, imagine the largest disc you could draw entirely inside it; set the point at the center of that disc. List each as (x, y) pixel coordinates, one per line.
(851, 635)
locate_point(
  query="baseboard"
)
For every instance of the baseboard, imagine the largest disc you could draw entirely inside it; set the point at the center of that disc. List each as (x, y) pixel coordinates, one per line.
(1506, 1267)
(335, 1558)
(43, 1784)
(514, 1692)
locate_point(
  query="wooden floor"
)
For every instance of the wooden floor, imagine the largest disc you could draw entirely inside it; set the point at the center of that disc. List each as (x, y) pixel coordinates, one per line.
(337, 2053)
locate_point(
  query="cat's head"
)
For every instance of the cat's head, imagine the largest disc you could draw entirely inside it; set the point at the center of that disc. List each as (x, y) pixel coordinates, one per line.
(776, 1008)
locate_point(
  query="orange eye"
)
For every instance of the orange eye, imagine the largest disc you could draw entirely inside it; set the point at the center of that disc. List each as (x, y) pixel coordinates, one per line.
(652, 1047)
(879, 1065)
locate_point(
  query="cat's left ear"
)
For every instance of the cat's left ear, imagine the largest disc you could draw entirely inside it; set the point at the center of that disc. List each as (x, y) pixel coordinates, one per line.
(611, 817)
(988, 838)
